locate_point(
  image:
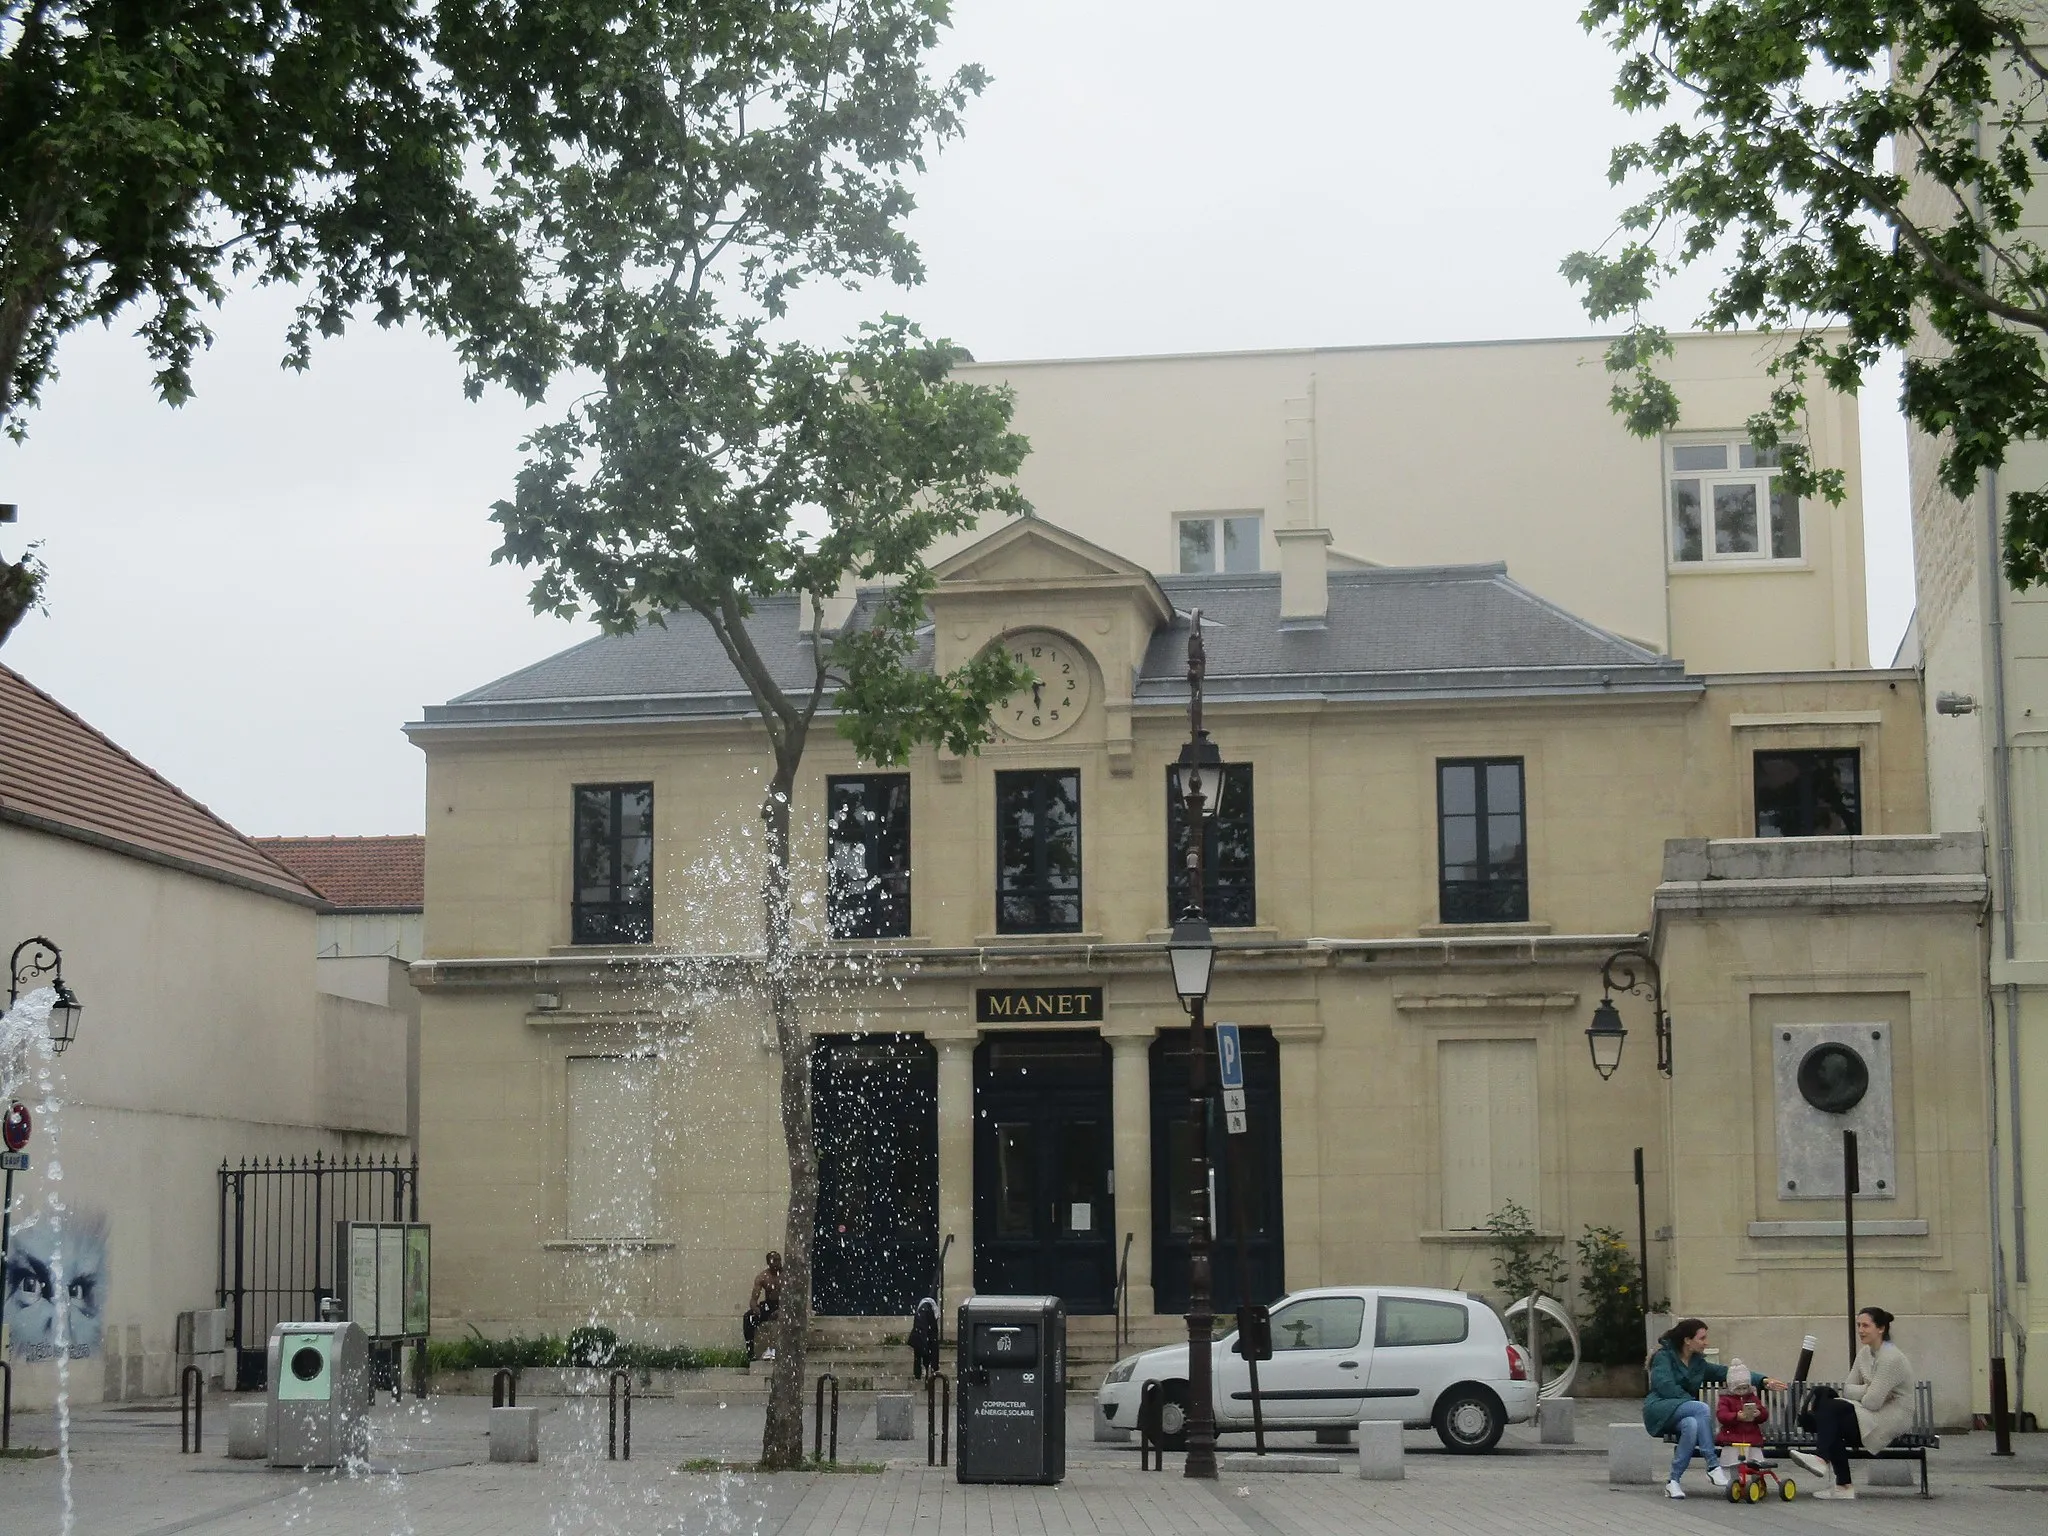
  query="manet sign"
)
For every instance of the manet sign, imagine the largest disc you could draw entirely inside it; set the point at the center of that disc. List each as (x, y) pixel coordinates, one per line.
(1036, 1005)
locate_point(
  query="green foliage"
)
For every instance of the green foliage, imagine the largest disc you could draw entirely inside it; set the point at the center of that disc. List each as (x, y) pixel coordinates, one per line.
(1610, 1298)
(1524, 1261)
(156, 149)
(1773, 161)
(21, 589)
(477, 1353)
(593, 1344)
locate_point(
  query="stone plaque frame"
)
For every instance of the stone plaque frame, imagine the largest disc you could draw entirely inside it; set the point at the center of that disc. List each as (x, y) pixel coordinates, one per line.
(1810, 1139)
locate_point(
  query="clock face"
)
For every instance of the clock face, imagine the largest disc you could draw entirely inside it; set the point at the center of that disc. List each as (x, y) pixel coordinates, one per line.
(1055, 701)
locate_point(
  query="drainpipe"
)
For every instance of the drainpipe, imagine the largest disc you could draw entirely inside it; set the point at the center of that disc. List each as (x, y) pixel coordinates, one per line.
(2001, 779)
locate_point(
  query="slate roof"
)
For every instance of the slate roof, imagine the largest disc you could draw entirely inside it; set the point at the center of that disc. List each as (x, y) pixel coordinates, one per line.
(59, 775)
(358, 874)
(1466, 631)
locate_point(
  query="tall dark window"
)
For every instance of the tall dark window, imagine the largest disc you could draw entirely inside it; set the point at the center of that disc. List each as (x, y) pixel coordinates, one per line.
(1482, 840)
(614, 901)
(1809, 794)
(1038, 851)
(1229, 890)
(867, 867)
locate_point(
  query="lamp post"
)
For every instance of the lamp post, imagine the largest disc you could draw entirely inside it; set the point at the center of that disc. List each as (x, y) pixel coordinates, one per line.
(1192, 950)
(1607, 1034)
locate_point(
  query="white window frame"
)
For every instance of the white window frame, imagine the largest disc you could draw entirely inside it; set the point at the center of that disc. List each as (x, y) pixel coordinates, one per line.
(1762, 477)
(1217, 520)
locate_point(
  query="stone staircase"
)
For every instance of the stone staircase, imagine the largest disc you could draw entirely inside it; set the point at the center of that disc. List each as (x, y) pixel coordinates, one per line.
(868, 1354)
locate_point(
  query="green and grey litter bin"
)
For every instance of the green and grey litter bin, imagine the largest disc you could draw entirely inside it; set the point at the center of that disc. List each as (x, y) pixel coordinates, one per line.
(1013, 1389)
(319, 1394)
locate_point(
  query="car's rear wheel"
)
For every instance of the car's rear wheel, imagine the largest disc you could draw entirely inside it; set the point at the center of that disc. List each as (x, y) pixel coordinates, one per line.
(1172, 1428)
(1469, 1420)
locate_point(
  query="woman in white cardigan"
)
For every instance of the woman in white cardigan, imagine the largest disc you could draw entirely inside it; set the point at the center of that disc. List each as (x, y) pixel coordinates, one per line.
(1875, 1408)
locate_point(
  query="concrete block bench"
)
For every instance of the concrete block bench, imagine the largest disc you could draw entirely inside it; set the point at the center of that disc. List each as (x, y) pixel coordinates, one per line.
(515, 1434)
(1635, 1456)
(1379, 1451)
(249, 1431)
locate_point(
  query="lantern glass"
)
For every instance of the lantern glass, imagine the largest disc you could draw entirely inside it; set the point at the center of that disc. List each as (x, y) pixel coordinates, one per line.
(64, 1015)
(1192, 950)
(1605, 1038)
(1200, 767)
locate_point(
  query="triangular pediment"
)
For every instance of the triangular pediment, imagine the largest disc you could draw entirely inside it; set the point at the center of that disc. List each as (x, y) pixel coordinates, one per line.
(1030, 549)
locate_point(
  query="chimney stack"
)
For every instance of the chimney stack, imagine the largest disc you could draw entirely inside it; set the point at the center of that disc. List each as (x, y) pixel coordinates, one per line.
(1304, 577)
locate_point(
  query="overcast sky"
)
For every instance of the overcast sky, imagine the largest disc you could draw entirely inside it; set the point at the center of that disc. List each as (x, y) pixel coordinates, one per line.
(253, 593)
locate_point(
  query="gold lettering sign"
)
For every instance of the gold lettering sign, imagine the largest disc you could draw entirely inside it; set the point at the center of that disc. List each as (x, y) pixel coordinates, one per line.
(1007, 1005)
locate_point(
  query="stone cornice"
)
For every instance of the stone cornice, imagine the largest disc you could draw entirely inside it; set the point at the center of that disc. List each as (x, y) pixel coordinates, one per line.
(842, 965)
(1820, 895)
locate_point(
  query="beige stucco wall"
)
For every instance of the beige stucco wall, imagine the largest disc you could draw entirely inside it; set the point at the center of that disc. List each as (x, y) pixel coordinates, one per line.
(1900, 953)
(1417, 455)
(1345, 808)
(203, 1038)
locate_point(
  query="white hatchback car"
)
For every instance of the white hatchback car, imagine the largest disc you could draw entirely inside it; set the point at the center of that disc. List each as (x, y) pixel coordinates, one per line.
(1342, 1354)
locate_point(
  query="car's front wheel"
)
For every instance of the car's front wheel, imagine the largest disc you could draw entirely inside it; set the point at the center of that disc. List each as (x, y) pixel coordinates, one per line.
(1171, 1430)
(1469, 1420)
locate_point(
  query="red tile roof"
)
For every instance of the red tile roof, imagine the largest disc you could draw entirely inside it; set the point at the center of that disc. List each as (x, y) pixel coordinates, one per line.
(59, 775)
(358, 874)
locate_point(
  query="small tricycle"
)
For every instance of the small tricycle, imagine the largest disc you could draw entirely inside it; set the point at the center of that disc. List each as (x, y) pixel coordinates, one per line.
(1749, 1482)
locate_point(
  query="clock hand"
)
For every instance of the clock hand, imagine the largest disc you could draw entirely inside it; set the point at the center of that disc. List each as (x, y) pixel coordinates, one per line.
(1037, 694)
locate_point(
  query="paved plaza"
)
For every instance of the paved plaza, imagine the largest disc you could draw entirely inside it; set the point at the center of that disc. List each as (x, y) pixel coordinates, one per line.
(430, 1476)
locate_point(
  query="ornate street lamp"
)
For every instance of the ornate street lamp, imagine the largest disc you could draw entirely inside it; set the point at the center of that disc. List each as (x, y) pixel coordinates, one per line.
(1607, 1034)
(24, 975)
(1192, 951)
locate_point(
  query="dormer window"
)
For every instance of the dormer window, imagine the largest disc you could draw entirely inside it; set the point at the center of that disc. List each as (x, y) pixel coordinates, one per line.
(1217, 541)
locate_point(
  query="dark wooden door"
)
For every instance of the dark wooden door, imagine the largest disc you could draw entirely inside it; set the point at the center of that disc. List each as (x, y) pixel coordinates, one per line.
(1247, 1164)
(875, 1109)
(1044, 1179)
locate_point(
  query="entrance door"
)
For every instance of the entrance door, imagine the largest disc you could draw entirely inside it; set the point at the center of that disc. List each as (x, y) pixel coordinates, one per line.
(1248, 1164)
(875, 1112)
(1044, 1182)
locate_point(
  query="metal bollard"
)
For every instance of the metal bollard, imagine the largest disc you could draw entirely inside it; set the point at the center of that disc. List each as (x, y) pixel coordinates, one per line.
(6, 1404)
(192, 1399)
(818, 1431)
(1151, 1448)
(938, 1419)
(504, 1390)
(617, 1447)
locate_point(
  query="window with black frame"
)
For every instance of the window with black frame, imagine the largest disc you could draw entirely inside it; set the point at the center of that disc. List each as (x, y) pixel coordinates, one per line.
(1809, 794)
(867, 855)
(614, 895)
(1038, 851)
(1482, 841)
(1229, 887)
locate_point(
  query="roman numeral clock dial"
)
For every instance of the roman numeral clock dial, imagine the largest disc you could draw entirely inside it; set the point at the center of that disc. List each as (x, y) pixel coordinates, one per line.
(1057, 696)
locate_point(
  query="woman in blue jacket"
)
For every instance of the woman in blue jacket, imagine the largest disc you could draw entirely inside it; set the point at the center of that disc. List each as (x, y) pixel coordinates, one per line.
(1677, 1372)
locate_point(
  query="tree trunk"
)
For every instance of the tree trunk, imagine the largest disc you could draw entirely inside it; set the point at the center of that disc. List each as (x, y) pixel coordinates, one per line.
(782, 1436)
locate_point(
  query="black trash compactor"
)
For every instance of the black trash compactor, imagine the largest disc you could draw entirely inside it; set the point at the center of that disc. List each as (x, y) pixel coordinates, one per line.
(1012, 1369)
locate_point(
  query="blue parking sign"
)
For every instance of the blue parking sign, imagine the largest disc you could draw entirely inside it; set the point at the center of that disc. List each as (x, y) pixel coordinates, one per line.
(1229, 1056)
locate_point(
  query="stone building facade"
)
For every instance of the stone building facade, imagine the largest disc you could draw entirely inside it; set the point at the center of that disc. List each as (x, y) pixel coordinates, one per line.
(1448, 802)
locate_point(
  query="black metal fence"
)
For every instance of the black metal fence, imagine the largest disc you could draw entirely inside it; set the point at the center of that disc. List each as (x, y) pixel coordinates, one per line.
(277, 1238)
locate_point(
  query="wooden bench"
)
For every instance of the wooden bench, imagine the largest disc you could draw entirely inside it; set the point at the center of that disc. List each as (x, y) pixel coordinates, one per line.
(1780, 1432)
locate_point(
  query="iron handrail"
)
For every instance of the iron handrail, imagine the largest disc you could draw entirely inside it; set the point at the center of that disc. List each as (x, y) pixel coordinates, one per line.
(1123, 1297)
